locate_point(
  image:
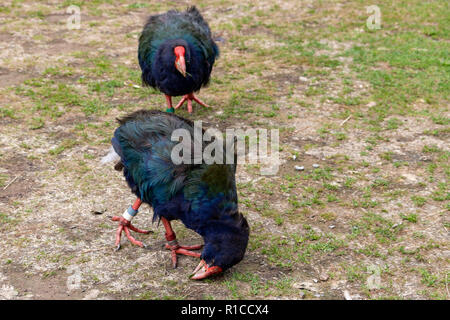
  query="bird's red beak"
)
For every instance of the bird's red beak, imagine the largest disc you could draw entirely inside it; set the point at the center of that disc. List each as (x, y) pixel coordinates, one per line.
(204, 271)
(180, 62)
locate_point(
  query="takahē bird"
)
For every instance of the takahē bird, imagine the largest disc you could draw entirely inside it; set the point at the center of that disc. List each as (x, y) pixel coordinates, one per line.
(203, 196)
(176, 55)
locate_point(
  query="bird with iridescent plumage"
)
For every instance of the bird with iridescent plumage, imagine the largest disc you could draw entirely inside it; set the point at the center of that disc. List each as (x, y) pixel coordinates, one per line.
(176, 55)
(203, 196)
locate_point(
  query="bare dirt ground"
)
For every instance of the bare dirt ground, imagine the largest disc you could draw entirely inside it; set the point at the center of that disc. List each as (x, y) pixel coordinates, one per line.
(370, 222)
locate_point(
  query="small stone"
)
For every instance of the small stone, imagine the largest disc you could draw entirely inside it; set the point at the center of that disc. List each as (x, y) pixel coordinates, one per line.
(371, 104)
(299, 168)
(8, 292)
(323, 277)
(425, 159)
(410, 177)
(304, 286)
(347, 295)
(315, 165)
(303, 79)
(97, 212)
(91, 295)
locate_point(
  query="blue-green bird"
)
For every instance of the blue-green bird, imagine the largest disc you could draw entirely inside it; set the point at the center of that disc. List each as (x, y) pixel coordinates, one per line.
(176, 54)
(203, 196)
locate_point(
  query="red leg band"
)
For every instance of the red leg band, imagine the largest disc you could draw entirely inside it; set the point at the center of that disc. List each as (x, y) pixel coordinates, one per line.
(137, 204)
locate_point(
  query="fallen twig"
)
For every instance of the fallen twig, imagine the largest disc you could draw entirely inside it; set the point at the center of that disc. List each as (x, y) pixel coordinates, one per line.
(343, 122)
(11, 182)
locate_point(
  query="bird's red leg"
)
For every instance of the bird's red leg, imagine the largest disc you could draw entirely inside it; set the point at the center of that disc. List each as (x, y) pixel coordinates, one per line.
(189, 103)
(125, 225)
(169, 104)
(174, 247)
(181, 102)
(189, 97)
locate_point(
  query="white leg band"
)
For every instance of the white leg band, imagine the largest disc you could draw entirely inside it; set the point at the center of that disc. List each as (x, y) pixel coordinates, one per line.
(127, 216)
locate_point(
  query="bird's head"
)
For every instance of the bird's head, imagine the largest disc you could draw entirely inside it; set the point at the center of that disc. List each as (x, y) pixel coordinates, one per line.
(174, 55)
(180, 61)
(225, 245)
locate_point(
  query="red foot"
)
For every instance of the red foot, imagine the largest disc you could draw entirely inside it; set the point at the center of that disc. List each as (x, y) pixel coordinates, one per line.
(175, 249)
(126, 226)
(189, 97)
(204, 271)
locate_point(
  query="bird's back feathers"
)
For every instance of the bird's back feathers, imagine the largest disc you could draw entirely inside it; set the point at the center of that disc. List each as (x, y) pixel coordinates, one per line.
(144, 141)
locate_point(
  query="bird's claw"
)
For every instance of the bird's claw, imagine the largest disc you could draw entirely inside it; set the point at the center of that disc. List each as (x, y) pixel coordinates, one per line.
(175, 249)
(126, 226)
(204, 271)
(189, 97)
